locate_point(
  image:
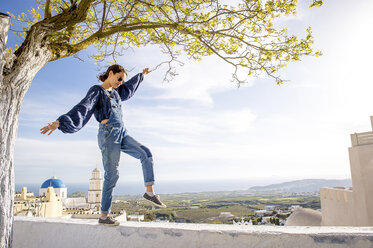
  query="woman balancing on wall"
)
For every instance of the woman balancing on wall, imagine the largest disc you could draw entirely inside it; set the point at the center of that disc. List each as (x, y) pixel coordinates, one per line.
(104, 101)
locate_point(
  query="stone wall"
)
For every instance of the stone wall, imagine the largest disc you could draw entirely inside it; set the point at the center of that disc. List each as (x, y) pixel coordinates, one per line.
(40, 232)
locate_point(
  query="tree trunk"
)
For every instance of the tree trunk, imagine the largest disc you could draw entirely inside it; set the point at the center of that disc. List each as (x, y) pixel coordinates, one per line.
(6, 164)
(17, 74)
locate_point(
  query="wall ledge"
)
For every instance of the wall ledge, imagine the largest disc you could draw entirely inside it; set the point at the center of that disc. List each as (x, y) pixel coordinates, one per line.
(58, 232)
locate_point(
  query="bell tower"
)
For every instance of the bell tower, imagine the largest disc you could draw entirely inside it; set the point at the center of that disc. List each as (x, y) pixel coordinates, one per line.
(95, 189)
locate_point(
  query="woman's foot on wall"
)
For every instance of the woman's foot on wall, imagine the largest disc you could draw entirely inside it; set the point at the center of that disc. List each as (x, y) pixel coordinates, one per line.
(108, 220)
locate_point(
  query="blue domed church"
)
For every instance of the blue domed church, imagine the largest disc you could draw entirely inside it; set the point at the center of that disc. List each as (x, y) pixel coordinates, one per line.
(59, 187)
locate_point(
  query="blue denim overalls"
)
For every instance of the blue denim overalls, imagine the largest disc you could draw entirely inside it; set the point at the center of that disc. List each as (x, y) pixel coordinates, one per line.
(112, 139)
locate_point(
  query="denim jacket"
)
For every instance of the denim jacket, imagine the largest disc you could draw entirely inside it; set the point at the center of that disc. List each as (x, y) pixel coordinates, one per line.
(97, 103)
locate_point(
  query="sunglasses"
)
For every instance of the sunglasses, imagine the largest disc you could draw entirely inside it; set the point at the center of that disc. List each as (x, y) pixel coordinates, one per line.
(120, 79)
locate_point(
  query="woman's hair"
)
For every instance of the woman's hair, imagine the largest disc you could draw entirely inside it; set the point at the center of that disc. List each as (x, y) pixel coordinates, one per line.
(114, 69)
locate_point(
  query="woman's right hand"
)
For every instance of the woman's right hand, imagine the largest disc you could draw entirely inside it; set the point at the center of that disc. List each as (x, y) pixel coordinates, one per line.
(51, 127)
(146, 71)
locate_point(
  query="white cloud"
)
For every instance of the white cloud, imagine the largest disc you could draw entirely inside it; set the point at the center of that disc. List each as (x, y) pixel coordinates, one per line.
(47, 152)
(187, 126)
(198, 82)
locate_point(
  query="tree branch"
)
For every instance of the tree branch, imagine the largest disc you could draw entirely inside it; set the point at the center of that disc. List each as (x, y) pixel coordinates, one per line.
(65, 50)
(48, 10)
(103, 17)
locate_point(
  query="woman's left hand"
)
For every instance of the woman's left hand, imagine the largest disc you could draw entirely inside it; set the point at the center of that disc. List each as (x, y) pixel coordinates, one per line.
(146, 71)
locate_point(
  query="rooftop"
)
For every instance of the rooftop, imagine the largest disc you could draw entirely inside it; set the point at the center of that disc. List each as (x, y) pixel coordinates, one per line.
(54, 182)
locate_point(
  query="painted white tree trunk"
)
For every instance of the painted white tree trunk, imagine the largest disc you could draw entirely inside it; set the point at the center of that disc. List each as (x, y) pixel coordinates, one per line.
(16, 76)
(6, 160)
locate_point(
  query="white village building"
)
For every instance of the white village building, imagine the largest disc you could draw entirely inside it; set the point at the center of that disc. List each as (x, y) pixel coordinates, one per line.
(353, 206)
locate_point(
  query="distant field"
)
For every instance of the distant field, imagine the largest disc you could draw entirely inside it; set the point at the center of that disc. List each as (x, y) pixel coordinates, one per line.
(206, 207)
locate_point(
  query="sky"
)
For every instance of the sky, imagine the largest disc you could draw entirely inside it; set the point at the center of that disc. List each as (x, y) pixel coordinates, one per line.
(201, 126)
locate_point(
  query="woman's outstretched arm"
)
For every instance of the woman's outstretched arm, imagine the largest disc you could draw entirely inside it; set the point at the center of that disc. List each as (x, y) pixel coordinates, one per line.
(127, 89)
(78, 116)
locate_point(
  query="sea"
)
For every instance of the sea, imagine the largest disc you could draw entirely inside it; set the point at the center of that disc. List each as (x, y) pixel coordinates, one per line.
(164, 187)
